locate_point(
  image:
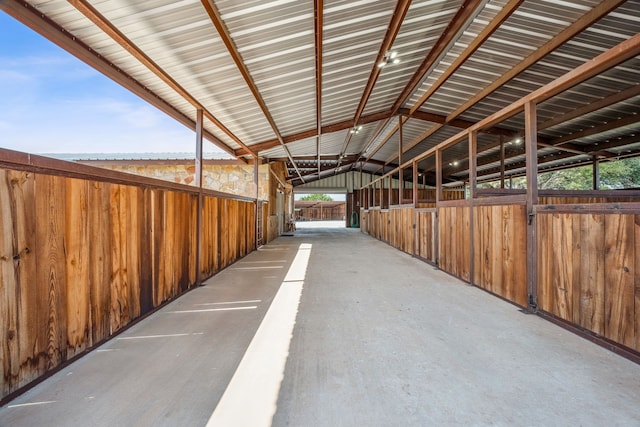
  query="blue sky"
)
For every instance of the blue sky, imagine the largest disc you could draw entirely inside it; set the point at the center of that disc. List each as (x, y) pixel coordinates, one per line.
(51, 102)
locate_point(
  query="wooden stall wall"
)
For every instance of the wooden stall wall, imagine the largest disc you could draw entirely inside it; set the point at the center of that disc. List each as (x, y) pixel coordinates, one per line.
(384, 225)
(401, 231)
(374, 223)
(425, 236)
(364, 221)
(589, 272)
(80, 259)
(454, 241)
(500, 251)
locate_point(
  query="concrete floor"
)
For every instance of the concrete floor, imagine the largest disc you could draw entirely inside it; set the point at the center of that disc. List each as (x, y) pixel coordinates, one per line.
(380, 339)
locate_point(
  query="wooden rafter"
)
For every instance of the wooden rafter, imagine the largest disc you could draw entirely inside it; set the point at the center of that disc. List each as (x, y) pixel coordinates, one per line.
(491, 28)
(621, 52)
(40, 23)
(310, 133)
(414, 111)
(223, 32)
(402, 7)
(116, 35)
(466, 11)
(387, 138)
(584, 22)
(617, 97)
(565, 35)
(604, 127)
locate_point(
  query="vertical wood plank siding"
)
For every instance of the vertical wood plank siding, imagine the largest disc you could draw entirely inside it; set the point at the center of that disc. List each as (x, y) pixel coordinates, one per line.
(588, 262)
(500, 251)
(81, 259)
(588, 272)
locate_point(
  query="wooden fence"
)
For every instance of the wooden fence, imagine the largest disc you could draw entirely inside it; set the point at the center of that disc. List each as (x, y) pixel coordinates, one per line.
(587, 257)
(82, 256)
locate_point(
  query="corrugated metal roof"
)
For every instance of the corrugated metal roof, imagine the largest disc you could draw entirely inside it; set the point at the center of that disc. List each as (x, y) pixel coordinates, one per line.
(257, 76)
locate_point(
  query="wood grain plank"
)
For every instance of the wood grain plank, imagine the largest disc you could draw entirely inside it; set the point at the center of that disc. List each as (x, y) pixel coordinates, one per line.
(497, 239)
(563, 280)
(545, 261)
(193, 238)
(508, 253)
(77, 267)
(637, 281)
(619, 277)
(168, 237)
(464, 237)
(118, 309)
(9, 291)
(24, 223)
(224, 232)
(146, 253)
(100, 231)
(592, 270)
(159, 264)
(50, 303)
(520, 254)
(134, 199)
(478, 231)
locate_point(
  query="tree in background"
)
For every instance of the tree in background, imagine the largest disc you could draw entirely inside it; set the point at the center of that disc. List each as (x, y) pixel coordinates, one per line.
(614, 175)
(317, 197)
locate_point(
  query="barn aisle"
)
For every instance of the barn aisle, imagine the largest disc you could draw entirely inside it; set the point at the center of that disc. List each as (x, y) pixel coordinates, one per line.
(379, 338)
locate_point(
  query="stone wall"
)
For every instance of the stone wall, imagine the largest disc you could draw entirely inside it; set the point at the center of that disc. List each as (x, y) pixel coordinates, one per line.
(227, 178)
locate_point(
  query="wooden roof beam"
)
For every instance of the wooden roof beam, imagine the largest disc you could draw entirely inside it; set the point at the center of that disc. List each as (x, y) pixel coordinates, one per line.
(621, 96)
(464, 13)
(41, 24)
(604, 127)
(487, 32)
(402, 7)
(567, 34)
(116, 35)
(334, 127)
(223, 32)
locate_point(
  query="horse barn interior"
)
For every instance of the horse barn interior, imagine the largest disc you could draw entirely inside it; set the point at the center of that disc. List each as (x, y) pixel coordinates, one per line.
(466, 295)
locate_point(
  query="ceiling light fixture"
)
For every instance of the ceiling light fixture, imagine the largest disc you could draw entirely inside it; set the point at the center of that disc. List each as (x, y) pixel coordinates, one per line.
(356, 129)
(391, 57)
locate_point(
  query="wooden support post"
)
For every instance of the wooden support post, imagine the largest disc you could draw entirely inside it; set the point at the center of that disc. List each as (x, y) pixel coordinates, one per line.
(596, 173)
(256, 164)
(436, 232)
(473, 180)
(361, 193)
(531, 147)
(400, 171)
(200, 206)
(415, 184)
(502, 161)
(414, 192)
